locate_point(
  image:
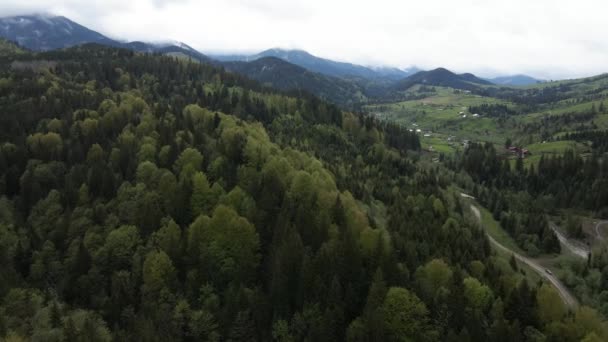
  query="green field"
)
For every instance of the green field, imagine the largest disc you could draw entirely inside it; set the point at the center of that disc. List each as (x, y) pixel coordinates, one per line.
(445, 112)
(552, 148)
(580, 84)
(556, 147)
(439, 143)
(441, 116)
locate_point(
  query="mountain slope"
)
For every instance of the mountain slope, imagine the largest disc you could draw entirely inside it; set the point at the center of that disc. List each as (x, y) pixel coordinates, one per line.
(43, 33)
(176, 48)
(444, 78)
(282, 75)
(322, 65)
(514, 80)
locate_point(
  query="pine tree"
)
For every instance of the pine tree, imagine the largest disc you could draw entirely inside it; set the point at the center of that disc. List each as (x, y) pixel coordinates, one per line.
(55, 315)
(243, 328)
(513, 262)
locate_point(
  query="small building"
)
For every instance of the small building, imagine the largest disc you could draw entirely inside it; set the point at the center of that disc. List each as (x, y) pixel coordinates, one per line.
(519, 152)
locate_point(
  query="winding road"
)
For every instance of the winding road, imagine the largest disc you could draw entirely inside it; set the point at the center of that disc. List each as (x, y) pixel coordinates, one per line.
(597, 229)
(577, 249)
(567, 297)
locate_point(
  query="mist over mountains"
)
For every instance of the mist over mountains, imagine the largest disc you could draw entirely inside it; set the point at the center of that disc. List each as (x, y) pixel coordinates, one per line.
(346, 84)
(46, 32)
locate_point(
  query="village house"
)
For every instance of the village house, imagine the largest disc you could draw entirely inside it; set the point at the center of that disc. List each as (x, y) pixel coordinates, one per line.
(520, 152)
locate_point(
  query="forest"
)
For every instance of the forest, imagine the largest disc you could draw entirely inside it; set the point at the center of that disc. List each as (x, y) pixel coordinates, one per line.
(522, 198)
(152, 198)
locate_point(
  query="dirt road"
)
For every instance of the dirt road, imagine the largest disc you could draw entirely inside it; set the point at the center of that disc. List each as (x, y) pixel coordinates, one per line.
(567, 297)
(579, 249)
(597, 229)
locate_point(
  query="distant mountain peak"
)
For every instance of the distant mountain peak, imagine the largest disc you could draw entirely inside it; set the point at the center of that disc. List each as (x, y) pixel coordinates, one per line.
(42, 32)
(442, 70)
(177, 43)
(324, 66)
(444, 78)
(515, 80)
(47, 32)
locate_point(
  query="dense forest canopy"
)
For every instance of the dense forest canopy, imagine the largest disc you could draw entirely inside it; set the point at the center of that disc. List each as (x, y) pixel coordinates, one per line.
(150, 198)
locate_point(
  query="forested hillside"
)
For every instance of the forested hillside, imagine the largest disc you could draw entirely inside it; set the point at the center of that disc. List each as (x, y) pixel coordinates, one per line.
(279, 74)
(148, 198)
(525, 199)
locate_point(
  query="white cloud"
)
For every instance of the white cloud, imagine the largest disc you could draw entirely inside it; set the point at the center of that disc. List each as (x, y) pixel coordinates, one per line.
(546, 38)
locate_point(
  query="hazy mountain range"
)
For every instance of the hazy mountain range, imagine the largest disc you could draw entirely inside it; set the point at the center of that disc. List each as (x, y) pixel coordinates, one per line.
(339, 82)
(515, 80)
(322, 65)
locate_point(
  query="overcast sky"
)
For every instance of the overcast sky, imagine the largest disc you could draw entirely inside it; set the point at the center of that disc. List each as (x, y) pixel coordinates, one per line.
(545, 38)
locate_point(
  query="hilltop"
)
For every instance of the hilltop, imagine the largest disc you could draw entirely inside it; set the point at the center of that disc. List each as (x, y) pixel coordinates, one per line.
(279, 74)
(48, 32)
(444, 78)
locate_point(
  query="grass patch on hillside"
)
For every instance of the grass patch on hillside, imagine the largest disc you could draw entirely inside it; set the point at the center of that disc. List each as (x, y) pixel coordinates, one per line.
(439, 144)
(565, 107)
(553, 148)
(444, 112)
(556, 147)
(495, 230)
(580, 83)
(531, 275)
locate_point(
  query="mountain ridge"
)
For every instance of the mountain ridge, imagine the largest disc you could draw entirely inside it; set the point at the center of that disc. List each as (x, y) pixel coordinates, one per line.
(283, 75)
(514, 80)
(40, 32)
(323, 65)
(444, 78)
